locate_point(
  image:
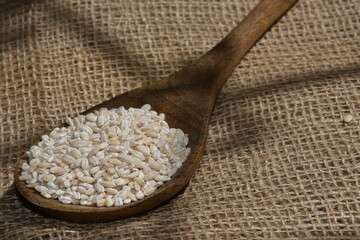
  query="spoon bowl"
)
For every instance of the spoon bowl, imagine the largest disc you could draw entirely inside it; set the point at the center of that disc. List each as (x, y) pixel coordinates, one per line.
(78, 213)
(187, 99)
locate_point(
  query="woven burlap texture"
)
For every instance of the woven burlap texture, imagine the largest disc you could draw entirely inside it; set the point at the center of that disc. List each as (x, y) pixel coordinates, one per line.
(280, 162)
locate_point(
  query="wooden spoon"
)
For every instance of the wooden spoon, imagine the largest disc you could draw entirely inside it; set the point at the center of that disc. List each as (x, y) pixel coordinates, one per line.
(187, 98)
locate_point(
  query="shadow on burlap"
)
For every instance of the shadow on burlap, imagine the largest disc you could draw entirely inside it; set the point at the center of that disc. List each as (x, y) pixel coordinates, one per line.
(280, 162)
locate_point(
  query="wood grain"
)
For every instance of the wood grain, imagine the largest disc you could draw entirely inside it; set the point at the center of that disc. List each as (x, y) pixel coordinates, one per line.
(187, 98)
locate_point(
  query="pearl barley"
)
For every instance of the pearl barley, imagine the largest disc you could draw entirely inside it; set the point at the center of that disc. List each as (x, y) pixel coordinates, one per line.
(106, 158)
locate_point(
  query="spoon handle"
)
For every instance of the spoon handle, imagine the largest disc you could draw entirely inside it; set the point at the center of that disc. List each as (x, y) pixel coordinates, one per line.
(210, 72)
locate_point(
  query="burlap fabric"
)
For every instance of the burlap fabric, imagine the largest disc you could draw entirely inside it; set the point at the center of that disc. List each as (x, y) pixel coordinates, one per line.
(280, 162)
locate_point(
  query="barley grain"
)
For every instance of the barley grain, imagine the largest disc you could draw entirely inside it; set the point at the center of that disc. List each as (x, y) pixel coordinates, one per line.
(41, 189)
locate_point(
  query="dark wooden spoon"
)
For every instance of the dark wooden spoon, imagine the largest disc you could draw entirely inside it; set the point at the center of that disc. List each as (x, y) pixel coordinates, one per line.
(187, 98)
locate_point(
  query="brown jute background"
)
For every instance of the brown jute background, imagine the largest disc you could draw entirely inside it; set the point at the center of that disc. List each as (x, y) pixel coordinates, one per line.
(280, 162)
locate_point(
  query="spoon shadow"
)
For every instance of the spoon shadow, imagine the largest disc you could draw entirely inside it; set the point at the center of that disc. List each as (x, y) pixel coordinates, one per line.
(254, 130)
(15, 216)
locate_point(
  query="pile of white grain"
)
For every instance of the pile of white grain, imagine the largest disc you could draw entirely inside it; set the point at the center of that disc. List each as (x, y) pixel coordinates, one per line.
(106, 158)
